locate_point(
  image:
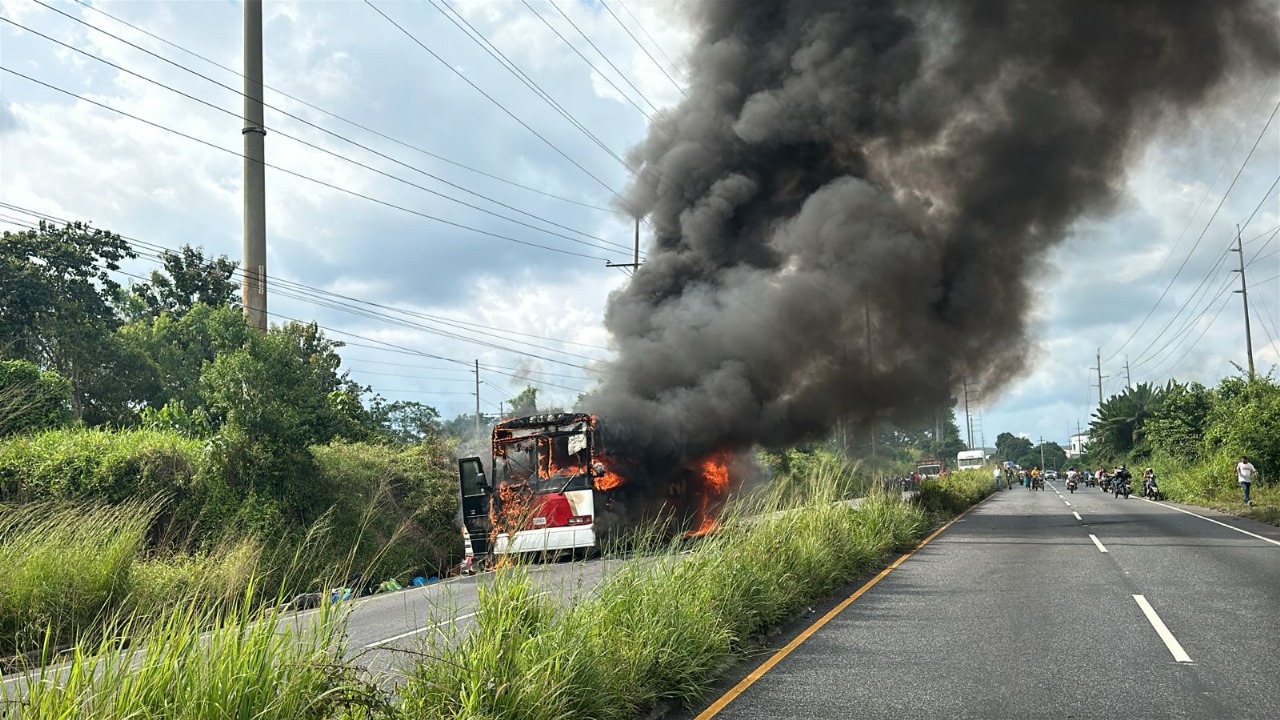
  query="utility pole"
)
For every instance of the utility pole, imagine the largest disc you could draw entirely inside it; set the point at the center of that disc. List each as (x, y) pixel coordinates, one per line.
(866, 311)
(1244, 295)
(253, 285)
(968, 424)
(1128, 382)
(635, 253)
(1100, 376)
(477, 396)
(1041, 453)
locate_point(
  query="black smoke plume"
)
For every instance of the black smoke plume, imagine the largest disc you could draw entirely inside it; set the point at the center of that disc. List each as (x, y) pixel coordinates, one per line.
(893, 170)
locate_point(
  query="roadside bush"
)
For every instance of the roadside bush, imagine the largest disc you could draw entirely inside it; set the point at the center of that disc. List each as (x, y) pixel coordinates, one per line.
(398, 515)
(32, 399)
(654, 630)
(953, 493)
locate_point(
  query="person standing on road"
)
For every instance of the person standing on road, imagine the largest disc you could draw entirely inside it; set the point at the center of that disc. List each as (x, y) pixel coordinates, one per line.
(997, 476)
(1244, 475)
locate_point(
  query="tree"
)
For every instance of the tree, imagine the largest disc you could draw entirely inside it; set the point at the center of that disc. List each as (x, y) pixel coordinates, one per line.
(188, 279)
(1053, 456)
(1245, 420)
(526, 403)
(404, 422)
(31, 399)
(1012, 447)
(1177, 427)
(1117, 427)
(55, 291)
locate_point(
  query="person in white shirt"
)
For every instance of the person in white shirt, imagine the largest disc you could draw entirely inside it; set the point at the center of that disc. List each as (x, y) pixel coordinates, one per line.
(1244, 475)
(998, 475)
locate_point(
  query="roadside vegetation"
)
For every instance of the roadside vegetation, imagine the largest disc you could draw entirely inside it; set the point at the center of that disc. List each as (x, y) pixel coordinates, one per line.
(1193, 436)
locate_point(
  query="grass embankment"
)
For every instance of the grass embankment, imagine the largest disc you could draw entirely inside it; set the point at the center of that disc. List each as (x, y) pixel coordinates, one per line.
(202, 664)
(1212, 484)
(661, 630)
(68, 571)
(104, 525)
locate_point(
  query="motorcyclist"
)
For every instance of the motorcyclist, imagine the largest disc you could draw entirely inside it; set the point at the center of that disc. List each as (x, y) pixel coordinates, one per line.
(1122, 475)
(1149, 486)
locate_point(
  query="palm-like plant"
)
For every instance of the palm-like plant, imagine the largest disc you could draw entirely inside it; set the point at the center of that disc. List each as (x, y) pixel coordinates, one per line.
(1116, 428)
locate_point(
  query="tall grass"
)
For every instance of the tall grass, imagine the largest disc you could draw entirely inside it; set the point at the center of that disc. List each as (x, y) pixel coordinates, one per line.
(71, 570)
(1212, 483)
(202, 664)
(661, 627)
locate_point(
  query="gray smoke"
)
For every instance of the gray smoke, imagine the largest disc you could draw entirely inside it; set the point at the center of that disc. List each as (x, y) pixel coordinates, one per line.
(907, 162)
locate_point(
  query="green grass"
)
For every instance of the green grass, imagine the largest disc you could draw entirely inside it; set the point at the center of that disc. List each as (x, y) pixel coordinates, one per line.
(660, 628)
(1212, 483)
(203, 664)
(71, 570)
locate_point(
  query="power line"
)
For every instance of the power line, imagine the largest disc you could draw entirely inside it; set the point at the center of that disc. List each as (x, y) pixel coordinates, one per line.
(602, 54)
(485, 44)
(642, 48)
(491, 99)
(657, 45)
(301, 176)
(1202, 232)
(335, 135)
(335, 116)
(317, 296)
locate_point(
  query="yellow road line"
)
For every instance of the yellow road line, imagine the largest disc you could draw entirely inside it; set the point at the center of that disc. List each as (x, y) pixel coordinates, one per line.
(723, 701)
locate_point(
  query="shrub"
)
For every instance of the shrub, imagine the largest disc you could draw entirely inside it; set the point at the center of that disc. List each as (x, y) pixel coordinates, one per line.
(31, 399)
(952, 493)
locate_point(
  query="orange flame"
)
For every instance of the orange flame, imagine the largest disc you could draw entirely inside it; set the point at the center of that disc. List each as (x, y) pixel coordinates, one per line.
(610, 479)
(714, 477)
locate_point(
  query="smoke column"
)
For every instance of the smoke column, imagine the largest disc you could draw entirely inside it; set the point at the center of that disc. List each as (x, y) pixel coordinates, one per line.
(906, 161)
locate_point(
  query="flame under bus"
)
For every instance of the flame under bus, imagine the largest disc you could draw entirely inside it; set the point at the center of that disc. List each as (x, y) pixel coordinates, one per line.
(547, 473)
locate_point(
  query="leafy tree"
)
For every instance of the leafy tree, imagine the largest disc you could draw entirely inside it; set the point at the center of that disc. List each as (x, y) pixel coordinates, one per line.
(270, 399)
(1117, 427)
(31, 399)
(55, 288)
(188, 280)
(1012, 447)
(404, 422)
(526, 403)
(1177, 427)
(1245, 420)
(1054, 456)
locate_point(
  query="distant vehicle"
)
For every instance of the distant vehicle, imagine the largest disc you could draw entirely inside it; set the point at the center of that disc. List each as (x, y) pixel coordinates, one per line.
(968, 459)
(931, 467)
(1051, 474)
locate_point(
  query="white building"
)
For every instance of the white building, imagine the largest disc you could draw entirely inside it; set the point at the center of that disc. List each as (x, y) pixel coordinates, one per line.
(1078, 442)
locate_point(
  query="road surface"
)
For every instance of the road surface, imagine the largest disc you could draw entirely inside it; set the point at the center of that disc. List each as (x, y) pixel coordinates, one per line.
(1045, 604)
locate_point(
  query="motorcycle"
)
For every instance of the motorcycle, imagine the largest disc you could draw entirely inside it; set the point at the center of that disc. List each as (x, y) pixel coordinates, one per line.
(1071, 485)
(1105, 484)
(1122, 488)
(1151, 491)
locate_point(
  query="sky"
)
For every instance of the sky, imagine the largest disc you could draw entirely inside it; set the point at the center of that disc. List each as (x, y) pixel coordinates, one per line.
(450, 209)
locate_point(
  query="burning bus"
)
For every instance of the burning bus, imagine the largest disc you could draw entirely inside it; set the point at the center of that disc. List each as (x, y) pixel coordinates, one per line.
(555, 488)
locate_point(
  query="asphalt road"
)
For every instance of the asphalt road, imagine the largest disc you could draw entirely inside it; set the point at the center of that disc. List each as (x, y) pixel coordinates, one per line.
(1016, 612)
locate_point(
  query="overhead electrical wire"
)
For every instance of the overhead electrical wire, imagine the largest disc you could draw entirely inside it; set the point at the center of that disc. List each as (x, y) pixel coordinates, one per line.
(449, 12)
(340, 118)
(657, 45)
(643, 49)
(301, 176)
(1202, 233)
(493, 100)
(602, 54)
(332, 153)
(325, 298)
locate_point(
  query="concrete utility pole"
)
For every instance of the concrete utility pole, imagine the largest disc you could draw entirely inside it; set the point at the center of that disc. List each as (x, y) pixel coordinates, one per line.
(1042, 452)
(477, 395)
(1128, 382)
(968, 424)
(253, 286)
(1244, 295)
(1100, 376)
(866, 311)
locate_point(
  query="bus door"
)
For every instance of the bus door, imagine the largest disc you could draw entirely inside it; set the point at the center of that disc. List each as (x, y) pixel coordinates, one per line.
(476, 495)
